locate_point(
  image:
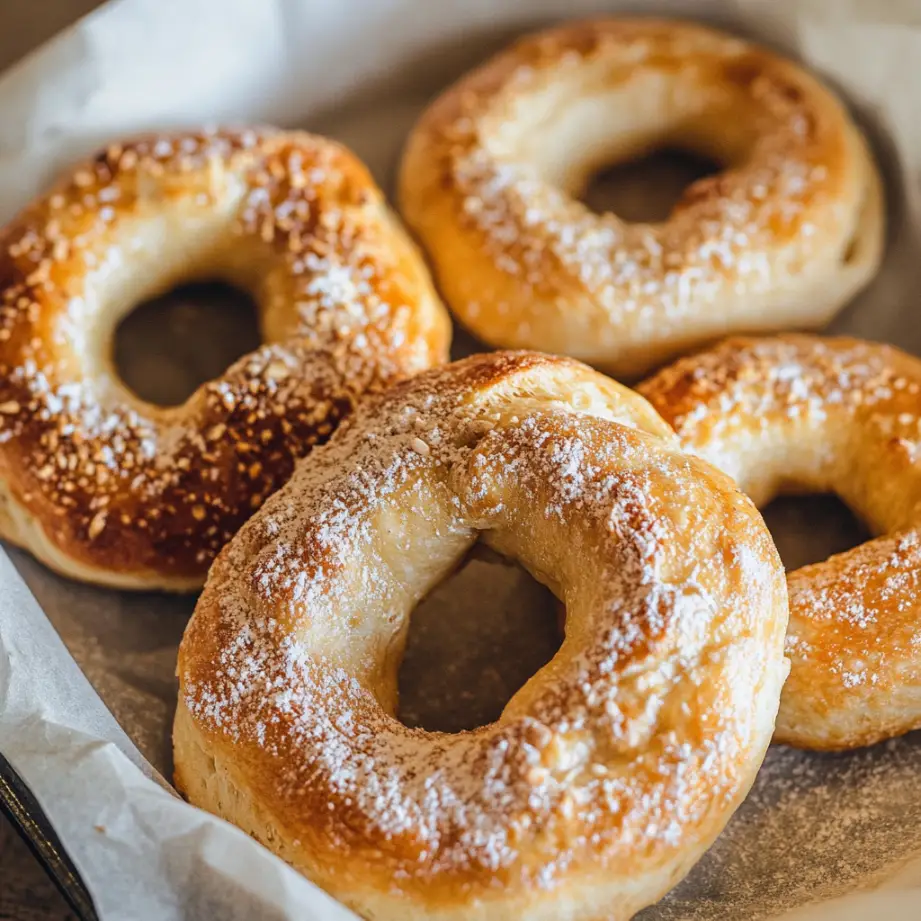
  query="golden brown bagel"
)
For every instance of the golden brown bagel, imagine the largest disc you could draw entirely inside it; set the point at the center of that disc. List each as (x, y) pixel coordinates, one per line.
(104, 487)
(801, 413)
(783, 237)
(609, 773)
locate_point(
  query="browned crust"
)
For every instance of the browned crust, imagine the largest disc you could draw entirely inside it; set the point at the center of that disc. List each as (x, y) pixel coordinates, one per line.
(825, 414)
(110, 489)
(830, 370)
(765, 244)
(285, 722)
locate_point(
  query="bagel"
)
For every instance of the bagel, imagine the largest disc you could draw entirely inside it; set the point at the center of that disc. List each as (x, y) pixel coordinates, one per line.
(609, 773)
(782, 238)
(104, 487)
(802, 413)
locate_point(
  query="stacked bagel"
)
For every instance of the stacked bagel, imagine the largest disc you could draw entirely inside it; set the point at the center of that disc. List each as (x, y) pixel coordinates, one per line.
(324, 484)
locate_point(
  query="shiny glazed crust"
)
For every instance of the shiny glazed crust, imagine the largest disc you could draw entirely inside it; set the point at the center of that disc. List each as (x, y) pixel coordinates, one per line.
(609, 773)
(104, 487)
(803, 413)
(783, 237)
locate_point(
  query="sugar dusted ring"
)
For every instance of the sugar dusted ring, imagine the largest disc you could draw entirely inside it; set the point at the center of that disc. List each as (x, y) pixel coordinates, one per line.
(782, 238)
(796, 413)
(609, 773)
(99, 484)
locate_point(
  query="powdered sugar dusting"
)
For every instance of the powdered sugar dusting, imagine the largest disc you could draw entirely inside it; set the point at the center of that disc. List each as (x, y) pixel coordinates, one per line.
(132, 488)
(284, 650)
(745, 383)
(838, 415)
(779, 217)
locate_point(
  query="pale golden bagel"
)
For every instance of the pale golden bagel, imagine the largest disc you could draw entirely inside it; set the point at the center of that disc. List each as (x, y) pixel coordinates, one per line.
(609, 773)
(801, 413)
(783, 237)
(102, 486)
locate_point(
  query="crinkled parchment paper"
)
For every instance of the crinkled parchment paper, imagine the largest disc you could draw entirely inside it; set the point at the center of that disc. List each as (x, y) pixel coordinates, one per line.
(816, 828)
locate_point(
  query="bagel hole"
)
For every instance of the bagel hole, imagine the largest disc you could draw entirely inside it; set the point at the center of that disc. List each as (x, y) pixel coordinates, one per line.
(167, 347)
(646, 189)
(808, 529)
(473, 642)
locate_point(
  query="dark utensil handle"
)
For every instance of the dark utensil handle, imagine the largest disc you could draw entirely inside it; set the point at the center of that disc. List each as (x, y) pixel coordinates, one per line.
(29, 819)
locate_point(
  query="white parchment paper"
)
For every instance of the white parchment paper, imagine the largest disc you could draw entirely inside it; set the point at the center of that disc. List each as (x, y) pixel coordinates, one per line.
(821, 837)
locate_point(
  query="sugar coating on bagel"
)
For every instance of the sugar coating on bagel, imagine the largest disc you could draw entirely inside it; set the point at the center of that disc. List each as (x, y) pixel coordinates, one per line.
(782, 238)
(609, 773)
(803, 413)
(105, 487)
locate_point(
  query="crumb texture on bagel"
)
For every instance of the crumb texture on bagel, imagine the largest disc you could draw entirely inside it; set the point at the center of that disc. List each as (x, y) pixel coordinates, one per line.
(782, 237)
(103, 486)
(609, 773)
(801, 413)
